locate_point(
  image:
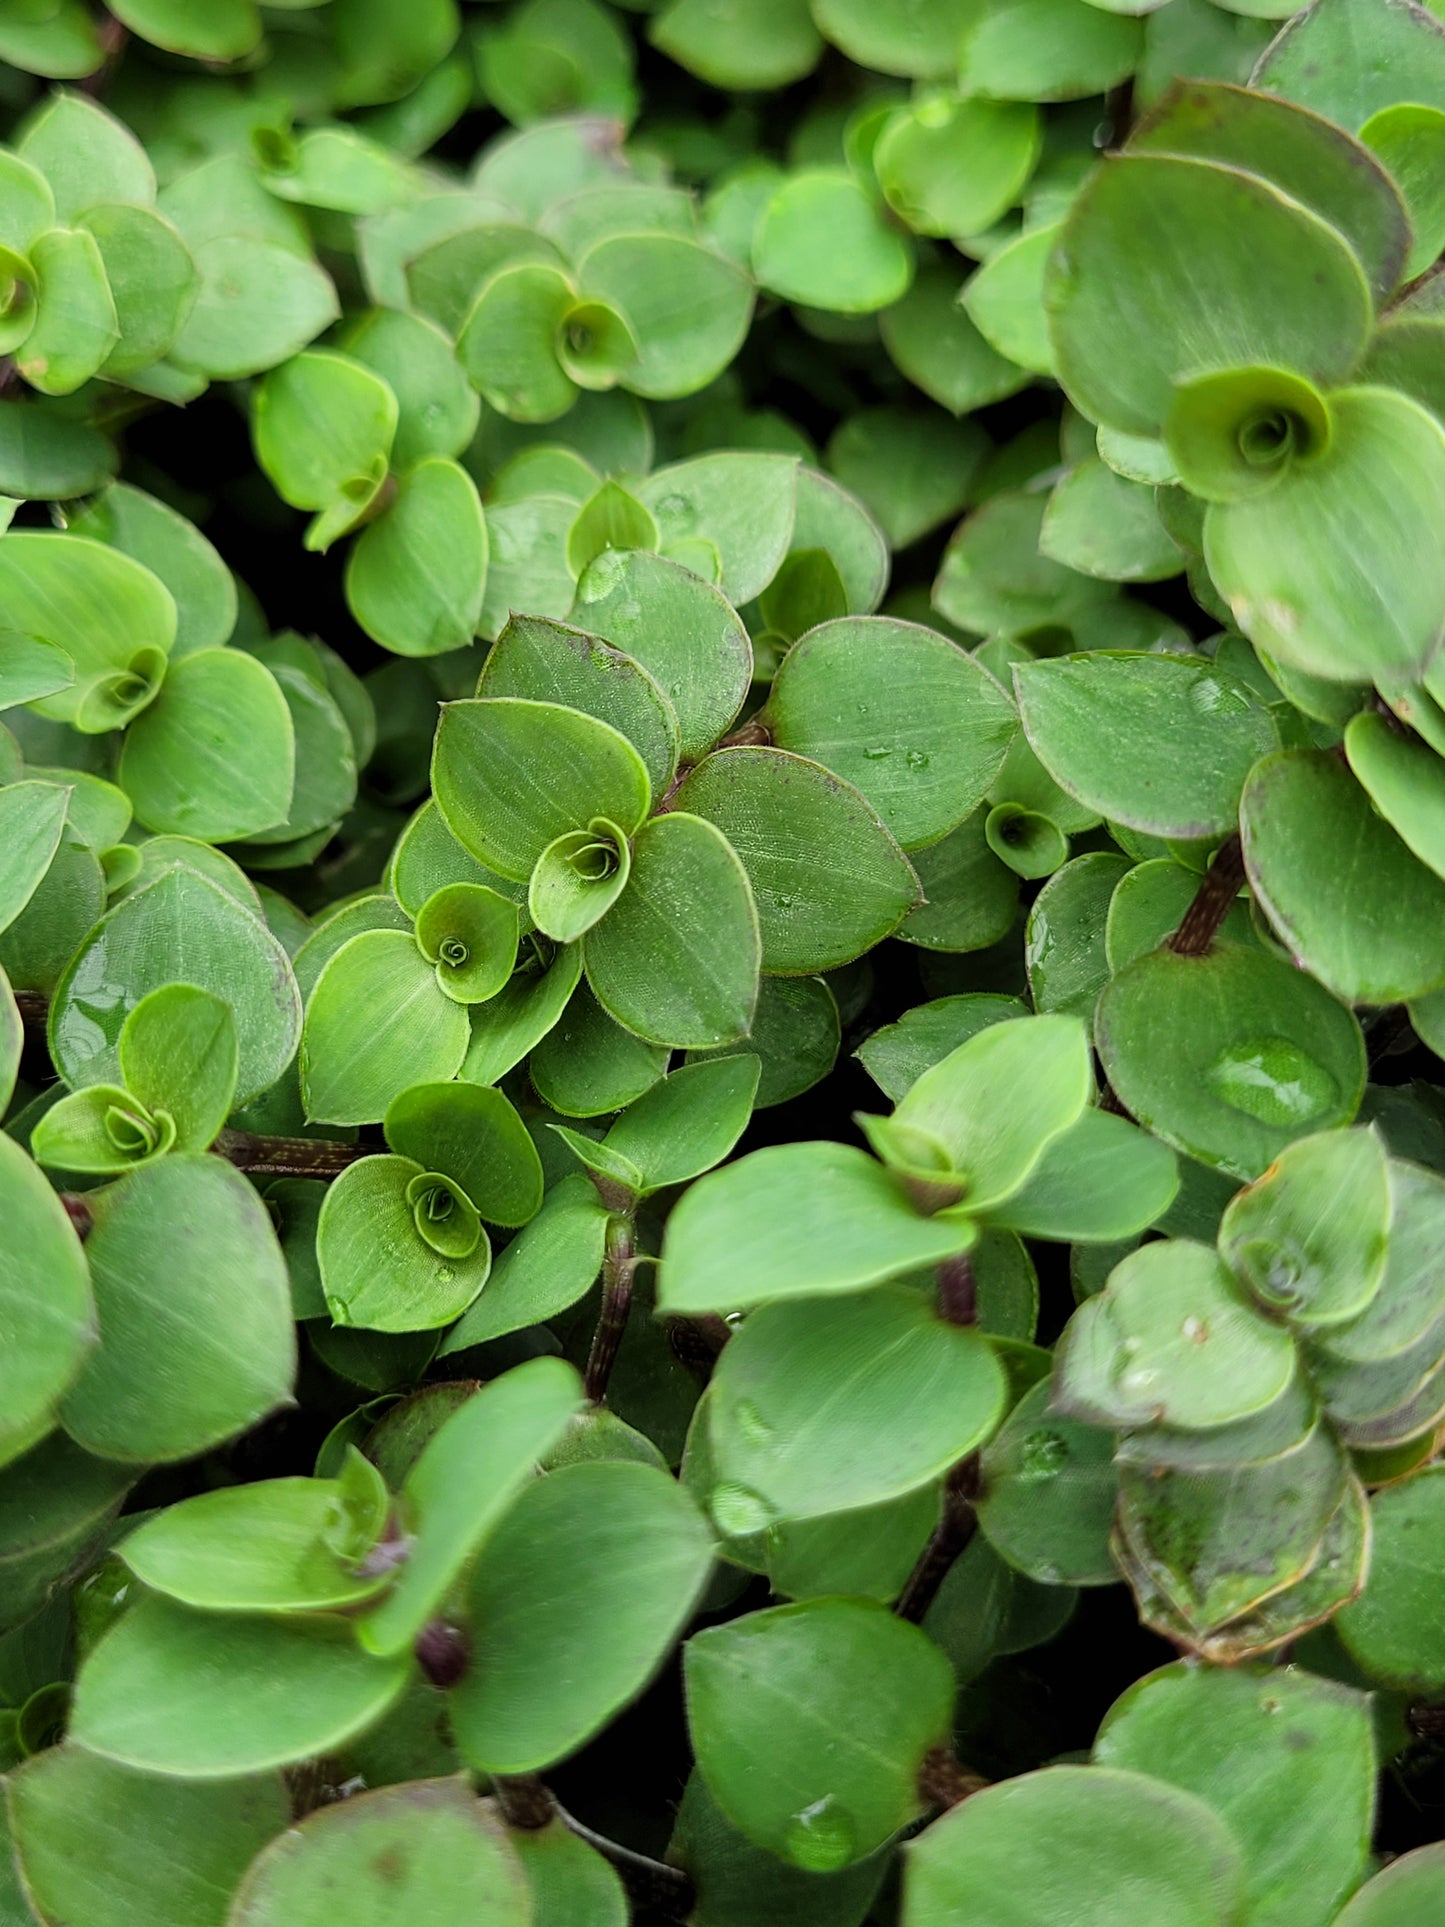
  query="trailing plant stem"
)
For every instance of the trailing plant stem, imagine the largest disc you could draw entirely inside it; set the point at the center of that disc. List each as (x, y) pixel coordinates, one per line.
(943, 1781)
(956, 1526)
(1200, 926)
(619, 1264)
(958, 1290)
(287, 1157)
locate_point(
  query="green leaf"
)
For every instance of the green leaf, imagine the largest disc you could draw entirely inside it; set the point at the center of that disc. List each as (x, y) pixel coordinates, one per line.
(195, 1313)
(1064, 936)
(822, 241)
(896, 36)
(111, 616)
(86, 155)
(970, 896)
(610, 518)
(744, 504)
(1304, 1817)
(1304, 569)
(952, 166)
(548, 1267)
(325, 783)
(1194, 734)
(152, 282)
(543, 661)
(323, 426)
(1005, 298)
(914, 468)
(437, 410)
(181, 928)
(1151, 902)
(1309, 1237)
(380, 1271)
(252, 1548)
(954, 356)
(57, 1505)
(688, 1122)
(763, 46)
(259, 303)
(578, 878)
(1103, 524)
(528, 560)
(12, 1042)
(75, 322)
(207, 1695)
(517, 1019)
(45, 456)
(681, 630)
(469, 932)
(473, 1135)
(1122, 318)
(610, 1538)
(588, 1064)
(834, 700)
(1411, 1295)
(810, 1724)
(997, 1102)
(569, 1879)
(1044, 50)
(1405, 782)
(1409, 140)
(102, 1130)
(1049, 1493)
(1347, 61)
(1392, 1629)
(511, 775)
(994, 576)
(1103, 1180)
(688, 307)
(508, 343)
(1331, 876)
(48, 1309)
(427, 857)
(187, 1844)
(1228, 1057)
(827, 877)
(676, 958)
(174, 550)
(795, 1221)
(32, 821)
(430, 1848)
(376, 1022)
(178, 1054)
(465, 1481)
(1404, 1892)
(1059, 1846)
(213, 756)
(417, 576)
(794, 1381)
(896, 1056)
(69, 898)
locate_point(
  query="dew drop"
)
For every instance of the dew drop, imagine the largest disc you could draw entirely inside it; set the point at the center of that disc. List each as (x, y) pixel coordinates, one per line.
(821, 1838)
(751, 1423)
(917, 759)
(877, 754)
(1211, 698)
(1272, 1080)
(738, 1511)
(1043, 1455)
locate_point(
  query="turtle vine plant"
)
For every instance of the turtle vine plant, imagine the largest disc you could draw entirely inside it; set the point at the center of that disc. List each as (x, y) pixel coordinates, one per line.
(722, 963)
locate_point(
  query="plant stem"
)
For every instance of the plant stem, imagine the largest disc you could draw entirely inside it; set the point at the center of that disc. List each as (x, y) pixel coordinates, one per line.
(956, 1526)
(649, 1883)
(1212, 901)
(958, 1290)
(753, 734)
(287, 1157)
(79, 1214)
(944, 1782)
(619, 1263)
(33, 1010)
(526, 1804)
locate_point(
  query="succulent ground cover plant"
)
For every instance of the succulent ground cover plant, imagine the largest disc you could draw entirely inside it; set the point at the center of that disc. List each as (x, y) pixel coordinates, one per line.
(722, 963)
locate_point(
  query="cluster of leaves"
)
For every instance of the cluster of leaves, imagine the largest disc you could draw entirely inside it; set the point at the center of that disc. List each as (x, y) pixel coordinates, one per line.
(405, 1393)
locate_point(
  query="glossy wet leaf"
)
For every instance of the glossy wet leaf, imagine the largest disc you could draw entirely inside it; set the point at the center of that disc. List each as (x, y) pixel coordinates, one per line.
(180, 928)
(551, 1264)
(178, 1054)
(1309, 1238)
(623, 1539)
(822, 241)
(1402, 779)
(850, 696)
(817, 1759)
(1064, 935)
(827, 877)
(1120, 315)
(1330, 874)
(429, 1846)
(44, 1287)
(194, 1307)
(213, 756)
(416, 578)
(676, 958)
(1172, 1340)
(1228, 1057)
(795, 1381)
(1391, 1629)
(398, 1249)
(190, 1842)
(1149, 905)
(376, 1020)
(209, 1695)
(1049, 1492)
(1055, 1848)
(512, 774)
(464, 1482)
(1304, 569)
(796, 1221)
(743, 503)
(1303, 1818)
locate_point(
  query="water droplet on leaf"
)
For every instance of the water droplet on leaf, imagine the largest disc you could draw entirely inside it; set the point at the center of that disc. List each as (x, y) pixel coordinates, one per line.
(1272, 1080)
(738, 1511)
(751, 1423)
(821, 1837)
(1043, 1455)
